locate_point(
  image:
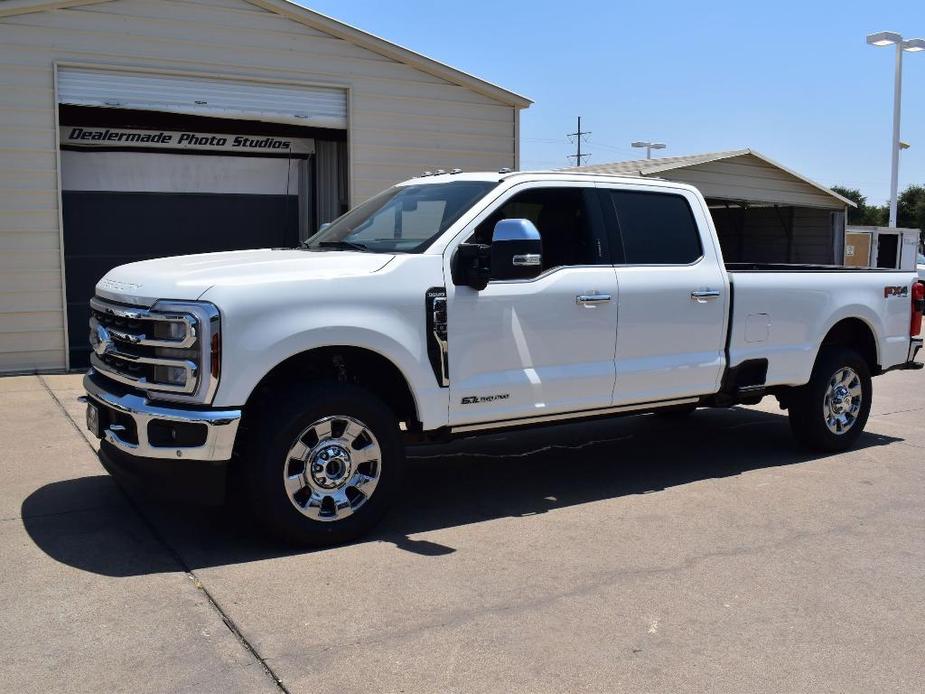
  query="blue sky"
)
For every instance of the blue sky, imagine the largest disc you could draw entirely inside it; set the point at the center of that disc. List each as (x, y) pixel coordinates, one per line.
(793, 80)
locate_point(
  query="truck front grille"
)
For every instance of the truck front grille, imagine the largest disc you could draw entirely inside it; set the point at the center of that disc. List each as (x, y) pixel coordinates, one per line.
(158, 350)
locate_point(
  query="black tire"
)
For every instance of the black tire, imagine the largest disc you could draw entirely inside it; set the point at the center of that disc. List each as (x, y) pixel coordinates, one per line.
(807, 403)
(277, 427)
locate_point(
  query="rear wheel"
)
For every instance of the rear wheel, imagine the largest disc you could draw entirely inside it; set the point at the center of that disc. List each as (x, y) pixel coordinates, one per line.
(323, 462)
(829, 413)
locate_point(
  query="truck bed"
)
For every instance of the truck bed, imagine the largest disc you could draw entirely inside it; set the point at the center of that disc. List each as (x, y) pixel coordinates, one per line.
(783, 312)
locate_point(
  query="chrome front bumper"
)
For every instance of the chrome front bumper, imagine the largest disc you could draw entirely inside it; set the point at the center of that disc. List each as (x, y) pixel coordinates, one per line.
(221, 426)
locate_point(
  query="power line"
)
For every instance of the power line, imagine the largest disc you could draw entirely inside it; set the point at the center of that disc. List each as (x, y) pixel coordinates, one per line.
(578, 156)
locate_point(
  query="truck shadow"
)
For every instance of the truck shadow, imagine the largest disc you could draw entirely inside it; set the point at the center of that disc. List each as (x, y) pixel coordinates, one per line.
(109, 532)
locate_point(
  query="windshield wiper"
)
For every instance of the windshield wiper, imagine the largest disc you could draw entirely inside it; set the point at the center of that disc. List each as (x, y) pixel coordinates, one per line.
(343, 245)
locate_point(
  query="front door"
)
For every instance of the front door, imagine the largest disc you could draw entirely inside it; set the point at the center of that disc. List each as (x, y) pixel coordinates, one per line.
(528, 348)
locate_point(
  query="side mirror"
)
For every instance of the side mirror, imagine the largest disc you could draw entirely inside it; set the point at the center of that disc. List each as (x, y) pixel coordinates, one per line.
(516, 250)
(471, 266)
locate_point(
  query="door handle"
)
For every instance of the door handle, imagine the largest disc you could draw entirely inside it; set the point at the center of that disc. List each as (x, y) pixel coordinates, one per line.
(704, 295)
(592, 299)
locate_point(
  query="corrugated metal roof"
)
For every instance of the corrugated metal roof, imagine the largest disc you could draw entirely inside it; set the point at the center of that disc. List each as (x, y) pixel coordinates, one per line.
(653, 167)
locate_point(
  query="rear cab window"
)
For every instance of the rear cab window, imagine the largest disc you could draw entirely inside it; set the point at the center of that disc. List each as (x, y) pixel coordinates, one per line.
(651, 228)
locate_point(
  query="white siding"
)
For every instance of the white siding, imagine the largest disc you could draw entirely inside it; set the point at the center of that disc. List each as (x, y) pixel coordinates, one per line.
(402, 122)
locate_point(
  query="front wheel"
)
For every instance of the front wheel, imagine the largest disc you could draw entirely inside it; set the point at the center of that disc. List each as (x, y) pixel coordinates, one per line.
(323, 462)
(829, 413)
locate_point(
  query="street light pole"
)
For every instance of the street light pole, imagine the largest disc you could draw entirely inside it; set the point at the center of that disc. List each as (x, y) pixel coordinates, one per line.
(887, 38)
(894, 163)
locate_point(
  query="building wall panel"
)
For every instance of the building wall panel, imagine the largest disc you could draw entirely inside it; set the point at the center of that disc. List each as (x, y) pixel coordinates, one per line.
(402, 121)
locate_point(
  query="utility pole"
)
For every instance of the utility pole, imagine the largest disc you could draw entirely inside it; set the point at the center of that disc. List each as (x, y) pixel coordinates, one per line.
(578, 135)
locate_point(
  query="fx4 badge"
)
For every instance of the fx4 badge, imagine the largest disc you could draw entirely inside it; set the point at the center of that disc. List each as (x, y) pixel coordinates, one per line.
(478, 399)
(890, 292)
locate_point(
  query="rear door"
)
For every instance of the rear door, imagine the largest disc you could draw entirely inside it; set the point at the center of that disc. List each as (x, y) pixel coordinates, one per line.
(529, 348)
(673, 294)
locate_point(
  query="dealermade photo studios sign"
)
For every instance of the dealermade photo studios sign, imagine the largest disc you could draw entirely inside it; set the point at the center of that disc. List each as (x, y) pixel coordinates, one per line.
(80, 136)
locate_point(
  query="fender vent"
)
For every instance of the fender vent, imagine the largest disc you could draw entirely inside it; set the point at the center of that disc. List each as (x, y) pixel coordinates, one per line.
(437, 346)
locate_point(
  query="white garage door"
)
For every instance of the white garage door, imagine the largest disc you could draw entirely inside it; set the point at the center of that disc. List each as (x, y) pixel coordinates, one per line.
(320, 107)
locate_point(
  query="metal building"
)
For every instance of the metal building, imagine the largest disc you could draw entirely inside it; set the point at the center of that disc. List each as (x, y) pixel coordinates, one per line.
(138, 128)
(763, 211)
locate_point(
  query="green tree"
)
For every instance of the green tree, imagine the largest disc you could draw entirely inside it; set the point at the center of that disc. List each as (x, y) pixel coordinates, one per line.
(910, 208)
(876, 215)
(863, 214)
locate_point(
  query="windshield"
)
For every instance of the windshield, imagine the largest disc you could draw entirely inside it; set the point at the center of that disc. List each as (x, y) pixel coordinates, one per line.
(402, 219)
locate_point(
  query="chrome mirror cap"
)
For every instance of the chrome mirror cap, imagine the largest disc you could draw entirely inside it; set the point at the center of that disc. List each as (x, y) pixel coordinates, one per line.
(515, 230)
(516, 250)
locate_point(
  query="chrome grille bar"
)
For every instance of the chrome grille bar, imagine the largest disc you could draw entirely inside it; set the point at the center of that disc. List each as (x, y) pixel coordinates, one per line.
(107, 310)
(144, 382)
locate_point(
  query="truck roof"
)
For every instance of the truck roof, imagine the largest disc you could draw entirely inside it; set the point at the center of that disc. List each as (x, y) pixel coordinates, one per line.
(540, 175)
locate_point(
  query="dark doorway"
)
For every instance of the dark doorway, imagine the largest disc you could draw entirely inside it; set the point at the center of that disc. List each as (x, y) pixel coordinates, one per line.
(888, 251)
(105, 229)
(125, 201)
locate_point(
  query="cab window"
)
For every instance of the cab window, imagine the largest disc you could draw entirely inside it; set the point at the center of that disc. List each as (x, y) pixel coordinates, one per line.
(565, 219)
(654, 228)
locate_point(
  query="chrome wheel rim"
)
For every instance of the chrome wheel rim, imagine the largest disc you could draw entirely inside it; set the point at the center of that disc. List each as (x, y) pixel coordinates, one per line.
(843, 399)
(332, 468)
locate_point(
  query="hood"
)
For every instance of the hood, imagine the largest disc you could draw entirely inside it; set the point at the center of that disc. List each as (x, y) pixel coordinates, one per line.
(188, 277)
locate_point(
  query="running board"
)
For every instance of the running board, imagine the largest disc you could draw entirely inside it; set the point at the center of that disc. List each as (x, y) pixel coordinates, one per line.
(582, 414)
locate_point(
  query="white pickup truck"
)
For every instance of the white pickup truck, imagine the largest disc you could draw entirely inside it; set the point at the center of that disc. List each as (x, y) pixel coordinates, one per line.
(462, 303)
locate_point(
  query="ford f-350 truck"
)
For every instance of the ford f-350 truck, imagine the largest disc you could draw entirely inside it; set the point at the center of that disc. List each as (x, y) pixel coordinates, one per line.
(461, 303)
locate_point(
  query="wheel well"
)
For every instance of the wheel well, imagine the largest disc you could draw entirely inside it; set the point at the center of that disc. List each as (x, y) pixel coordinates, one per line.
(354, 365)
(856, 334)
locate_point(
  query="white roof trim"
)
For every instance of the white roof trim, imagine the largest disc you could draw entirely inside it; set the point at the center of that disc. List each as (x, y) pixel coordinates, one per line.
(298, 13)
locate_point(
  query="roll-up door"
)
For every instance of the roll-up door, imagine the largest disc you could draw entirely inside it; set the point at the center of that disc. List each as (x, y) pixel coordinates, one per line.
(321, 107)
(126, 204)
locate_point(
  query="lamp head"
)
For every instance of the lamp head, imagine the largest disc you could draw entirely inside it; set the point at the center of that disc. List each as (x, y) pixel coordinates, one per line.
(884, 38)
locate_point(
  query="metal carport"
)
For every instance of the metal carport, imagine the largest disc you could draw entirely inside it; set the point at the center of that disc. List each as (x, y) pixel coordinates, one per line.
(763, 211)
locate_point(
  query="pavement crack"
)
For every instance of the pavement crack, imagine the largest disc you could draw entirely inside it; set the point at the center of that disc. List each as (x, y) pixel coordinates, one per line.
(521, 454)
(595, 583)
(891, 412)
(175, 555)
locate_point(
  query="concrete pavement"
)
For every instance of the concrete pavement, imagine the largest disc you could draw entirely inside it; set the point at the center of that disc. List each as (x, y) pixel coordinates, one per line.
(638, 554)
